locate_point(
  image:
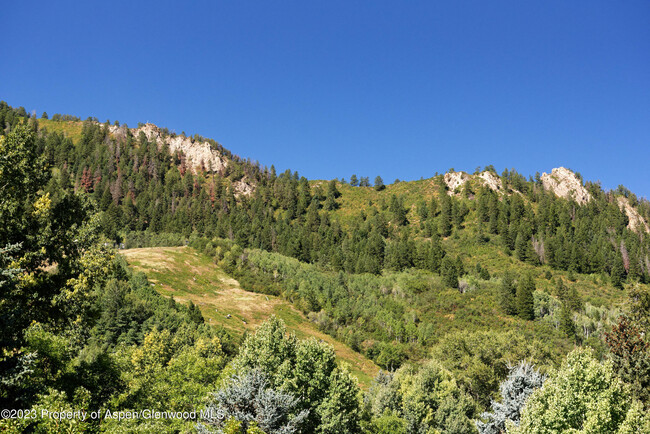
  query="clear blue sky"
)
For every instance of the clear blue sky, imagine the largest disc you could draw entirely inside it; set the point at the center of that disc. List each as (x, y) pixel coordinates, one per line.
(399, 89)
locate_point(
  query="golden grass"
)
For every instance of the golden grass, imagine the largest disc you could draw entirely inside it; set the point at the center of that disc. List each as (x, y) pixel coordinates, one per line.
(185, 274)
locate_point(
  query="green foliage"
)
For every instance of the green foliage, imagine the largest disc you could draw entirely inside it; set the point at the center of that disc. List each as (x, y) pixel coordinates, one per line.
(449, 272)
(247, 404)
(583, 396)
(618, 273)
(305, 369)
(79, 329)
(379, 183)
(480, 360)
(630, 355)
(522, 380)
(524, 297)
(507, 292)
(567, 325)
(420, 400)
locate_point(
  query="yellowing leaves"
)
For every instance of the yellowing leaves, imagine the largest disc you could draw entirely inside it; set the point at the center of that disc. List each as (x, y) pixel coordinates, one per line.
(42, 206)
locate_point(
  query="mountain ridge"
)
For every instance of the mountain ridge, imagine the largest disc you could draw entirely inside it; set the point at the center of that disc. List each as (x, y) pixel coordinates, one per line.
(201, 155)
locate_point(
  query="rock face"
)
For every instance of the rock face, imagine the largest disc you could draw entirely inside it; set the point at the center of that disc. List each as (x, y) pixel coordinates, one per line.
(490, 180)
(243, 187)
(564, 183)
(455, 180)
(198, 154)
(636, 223)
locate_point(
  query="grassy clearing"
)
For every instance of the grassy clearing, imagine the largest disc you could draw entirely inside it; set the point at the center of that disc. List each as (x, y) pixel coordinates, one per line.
(71, 130)
(353, 200)
(185, 274)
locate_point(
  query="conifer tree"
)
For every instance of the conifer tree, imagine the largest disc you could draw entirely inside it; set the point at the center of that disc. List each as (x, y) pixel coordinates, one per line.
(354, 181)
(618, 272)
(567, 326)
(436, 254)
(445, 215)
(449, 272)
(522, 381)
(379, 183)
(561, 290)
(525, 302)
(507, 292)
(433, 207)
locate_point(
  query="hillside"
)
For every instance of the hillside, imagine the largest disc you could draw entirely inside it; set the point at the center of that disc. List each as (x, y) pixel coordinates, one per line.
(184, 274)
(455, 286)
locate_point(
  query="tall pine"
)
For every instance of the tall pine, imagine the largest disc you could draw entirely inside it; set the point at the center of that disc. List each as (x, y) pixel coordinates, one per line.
(525, 302)
(507, 291)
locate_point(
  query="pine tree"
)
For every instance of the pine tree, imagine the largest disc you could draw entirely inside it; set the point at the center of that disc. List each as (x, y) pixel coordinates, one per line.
(521, 246)
(574, 301)
(433, 207)
(379, 183)
(449, 272)
(249, 400)
(561, 290)
(522, 381)
(567, 326)
(525, 301)
(398, 211)
(507, 292)
(618, 272)
(436, 254)
(354, 181)
(445, 215)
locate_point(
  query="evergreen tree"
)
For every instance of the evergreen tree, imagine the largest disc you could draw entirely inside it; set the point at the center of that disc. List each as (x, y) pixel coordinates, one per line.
(379, 183)
(522, 381)
(630, 354)
(449, 272)
(521, 246)
(507, 291)
(561, 291)
(249, 399)
(445, 215)
(618, 272)
(436, 254)
(567, 326)
(354, 181)
(573, 300)
(398, 211)
(524, 301)
(433, 207)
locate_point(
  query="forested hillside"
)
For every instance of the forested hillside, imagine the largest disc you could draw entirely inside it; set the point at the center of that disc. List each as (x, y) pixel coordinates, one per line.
(487, 299)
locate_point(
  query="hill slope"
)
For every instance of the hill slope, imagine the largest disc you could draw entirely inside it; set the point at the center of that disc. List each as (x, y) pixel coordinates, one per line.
(185, 274)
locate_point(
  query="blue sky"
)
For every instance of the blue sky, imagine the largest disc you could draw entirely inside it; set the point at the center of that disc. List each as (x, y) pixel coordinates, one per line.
(397, 89)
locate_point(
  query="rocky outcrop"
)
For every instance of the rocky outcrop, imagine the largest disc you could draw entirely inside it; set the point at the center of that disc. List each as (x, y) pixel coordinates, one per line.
(490, 180)
(635, 223)
(455, 180)
(243, 187)
(199, 155)
(564, 183)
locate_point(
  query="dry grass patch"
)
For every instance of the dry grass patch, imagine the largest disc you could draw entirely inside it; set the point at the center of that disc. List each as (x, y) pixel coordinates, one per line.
(186, 275)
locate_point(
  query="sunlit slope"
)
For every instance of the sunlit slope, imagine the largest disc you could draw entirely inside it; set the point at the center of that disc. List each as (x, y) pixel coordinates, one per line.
(185, 274)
